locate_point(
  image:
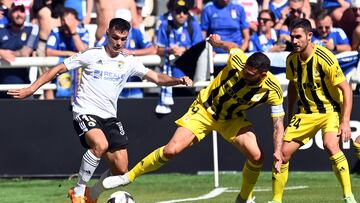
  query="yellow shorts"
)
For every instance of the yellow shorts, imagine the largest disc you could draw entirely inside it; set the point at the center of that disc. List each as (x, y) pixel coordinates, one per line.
(303, 127)
(200, 122)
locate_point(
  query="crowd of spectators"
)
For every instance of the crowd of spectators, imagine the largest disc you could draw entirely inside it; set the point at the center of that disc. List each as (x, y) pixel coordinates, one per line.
(56, 28)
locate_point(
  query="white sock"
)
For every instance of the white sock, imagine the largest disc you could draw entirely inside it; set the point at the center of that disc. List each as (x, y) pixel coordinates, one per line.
(98, 188)
(88, 165)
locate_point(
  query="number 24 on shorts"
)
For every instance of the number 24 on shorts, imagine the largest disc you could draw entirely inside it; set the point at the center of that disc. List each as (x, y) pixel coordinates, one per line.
(295, 122)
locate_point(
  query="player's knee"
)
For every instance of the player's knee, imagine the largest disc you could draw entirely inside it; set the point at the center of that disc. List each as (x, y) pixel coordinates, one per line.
(100, 149)
(285, 157)
(170, 152)
(331, 147)
(256, 157)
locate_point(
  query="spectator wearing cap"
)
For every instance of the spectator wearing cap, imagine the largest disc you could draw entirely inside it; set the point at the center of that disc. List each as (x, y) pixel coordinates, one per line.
(136, 45)
(16, 40)
(328, 36)
(355, 42)
(174, 36)
(78, 6)
(64, 41)
(228, 20)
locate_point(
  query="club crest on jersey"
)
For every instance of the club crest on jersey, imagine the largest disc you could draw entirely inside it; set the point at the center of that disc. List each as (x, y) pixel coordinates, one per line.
(120, 64)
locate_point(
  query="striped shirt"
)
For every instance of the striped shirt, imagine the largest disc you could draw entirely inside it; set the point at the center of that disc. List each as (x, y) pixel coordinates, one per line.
(227, 96)
(315, 80)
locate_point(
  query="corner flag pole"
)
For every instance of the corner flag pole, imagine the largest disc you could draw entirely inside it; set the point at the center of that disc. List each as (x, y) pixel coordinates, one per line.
(209, 49)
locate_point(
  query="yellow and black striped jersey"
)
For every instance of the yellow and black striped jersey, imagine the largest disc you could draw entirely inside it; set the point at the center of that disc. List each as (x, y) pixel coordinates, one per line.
(315, 80)
(227, 96)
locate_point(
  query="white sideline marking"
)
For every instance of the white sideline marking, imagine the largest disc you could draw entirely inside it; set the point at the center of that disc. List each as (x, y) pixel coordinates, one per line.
(215, 192)
(269, 189)
(218, 191)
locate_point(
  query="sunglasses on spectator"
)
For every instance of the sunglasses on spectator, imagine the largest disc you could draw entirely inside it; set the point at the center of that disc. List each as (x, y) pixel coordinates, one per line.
(265, 20)
(324, 27)
(296, 11)
(181, 10)
(355, 9)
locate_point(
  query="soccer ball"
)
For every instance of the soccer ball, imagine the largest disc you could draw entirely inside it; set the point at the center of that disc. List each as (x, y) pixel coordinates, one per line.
(120, 197)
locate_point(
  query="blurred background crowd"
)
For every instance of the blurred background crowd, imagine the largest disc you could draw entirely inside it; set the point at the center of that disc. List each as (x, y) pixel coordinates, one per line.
(60, 28)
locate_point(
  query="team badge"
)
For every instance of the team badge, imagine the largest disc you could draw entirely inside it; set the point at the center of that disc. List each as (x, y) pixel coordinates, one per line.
(120, 64)
(233, 13)
(23, 36)
(132, 43)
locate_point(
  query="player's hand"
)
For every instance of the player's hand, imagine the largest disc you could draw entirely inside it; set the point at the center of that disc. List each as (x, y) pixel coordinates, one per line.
(214, 40)
(278, 161)
(345, 131)
(20, 93)
(186, 81)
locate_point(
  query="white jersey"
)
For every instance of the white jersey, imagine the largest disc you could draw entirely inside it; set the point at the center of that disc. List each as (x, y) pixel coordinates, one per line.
(102, 80)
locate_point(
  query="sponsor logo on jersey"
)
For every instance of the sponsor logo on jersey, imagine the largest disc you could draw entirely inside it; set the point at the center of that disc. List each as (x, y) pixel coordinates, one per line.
(107, 75)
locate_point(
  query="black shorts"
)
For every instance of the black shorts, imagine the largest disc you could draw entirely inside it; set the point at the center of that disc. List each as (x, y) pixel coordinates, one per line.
(112, 128)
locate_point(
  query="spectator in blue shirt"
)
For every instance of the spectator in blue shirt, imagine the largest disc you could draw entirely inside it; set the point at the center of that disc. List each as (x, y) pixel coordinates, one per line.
(326, 35)
(64, 41)
(174, 36)
(227, 20)
(266, 39)
(275, 6)
(78, 6)
(16, 40)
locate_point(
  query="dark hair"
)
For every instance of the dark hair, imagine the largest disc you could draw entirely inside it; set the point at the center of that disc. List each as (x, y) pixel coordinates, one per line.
(301, 23)
(67, 10)
(322, 15)
(272, 15)
(119, 24)
(259, 61)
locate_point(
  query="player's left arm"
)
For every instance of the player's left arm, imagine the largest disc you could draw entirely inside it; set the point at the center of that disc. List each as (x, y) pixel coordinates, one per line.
(344, 129)
(278, 135)
(165, 80)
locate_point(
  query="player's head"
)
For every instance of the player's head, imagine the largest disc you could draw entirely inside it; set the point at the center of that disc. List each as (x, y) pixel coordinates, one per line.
(117, 34)
(301, 34)
(256, 68)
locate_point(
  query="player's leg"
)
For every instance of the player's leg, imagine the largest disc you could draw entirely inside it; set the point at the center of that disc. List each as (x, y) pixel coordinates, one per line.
(97, 142)
(245, 141)
(279, 180)
(338, 160)
(182, 139)
(356, 145)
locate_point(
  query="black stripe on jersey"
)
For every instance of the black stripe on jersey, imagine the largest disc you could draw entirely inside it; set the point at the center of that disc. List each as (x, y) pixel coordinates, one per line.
(334, 103)
(274, 87)
(318, 102)
(324, 56)
(238, 61)
(303, 101)
(216, 90)
(235, 88)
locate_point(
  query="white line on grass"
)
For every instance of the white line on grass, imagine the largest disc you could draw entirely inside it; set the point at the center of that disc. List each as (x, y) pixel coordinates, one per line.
(269, 189)
(218, 191)
(214, 193)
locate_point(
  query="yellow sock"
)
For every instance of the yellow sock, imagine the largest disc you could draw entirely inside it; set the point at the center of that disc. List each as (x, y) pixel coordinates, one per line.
(250, 174)
(279, 181)
(340, 167)
(357, 149)
(151, 162)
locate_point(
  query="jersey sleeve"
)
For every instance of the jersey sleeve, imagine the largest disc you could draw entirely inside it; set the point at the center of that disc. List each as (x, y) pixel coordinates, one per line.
(275, 95)
(237, 58)
(81, 59)
(53, 39)
(137, 68)
(289, 70)
(334, 73)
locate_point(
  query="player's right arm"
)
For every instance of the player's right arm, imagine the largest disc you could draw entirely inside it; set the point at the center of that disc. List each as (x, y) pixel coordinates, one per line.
(43, 79)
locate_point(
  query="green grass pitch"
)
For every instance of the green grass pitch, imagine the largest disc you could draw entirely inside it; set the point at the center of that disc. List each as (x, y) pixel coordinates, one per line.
(318, 187)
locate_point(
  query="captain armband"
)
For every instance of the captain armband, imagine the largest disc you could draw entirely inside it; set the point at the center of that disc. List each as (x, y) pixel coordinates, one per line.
(277, 110)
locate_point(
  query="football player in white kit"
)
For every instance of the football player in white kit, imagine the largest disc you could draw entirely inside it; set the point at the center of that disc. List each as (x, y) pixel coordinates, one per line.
(105, 71)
